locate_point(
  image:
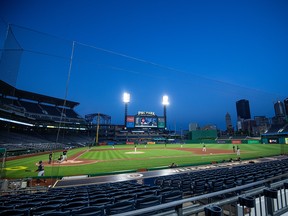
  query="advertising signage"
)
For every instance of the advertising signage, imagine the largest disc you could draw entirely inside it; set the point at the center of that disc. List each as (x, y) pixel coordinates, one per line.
(130, 121)
(161, 122)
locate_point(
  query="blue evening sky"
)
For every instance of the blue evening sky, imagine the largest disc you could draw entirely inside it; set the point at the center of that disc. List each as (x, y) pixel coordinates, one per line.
(204, 54)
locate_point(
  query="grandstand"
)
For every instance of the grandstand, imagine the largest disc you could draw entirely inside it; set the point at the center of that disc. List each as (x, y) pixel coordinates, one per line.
(36, 106)
(30, 119)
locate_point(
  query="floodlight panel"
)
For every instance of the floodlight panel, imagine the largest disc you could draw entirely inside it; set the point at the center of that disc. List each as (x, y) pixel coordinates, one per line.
(165, 100)
(126, 97)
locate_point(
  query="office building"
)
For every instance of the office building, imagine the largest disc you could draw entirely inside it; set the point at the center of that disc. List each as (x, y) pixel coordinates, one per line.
(279, 109)
(243, 109)
(286, 106)
(228, 121)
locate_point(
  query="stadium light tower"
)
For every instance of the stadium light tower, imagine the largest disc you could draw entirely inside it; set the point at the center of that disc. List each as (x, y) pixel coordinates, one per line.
(126, 100)
(165, 102)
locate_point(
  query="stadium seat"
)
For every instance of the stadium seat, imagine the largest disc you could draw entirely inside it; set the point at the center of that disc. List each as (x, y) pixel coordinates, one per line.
(148, 202)
(166, 183)
(248, 179)
(44, 209)
(229, 183)
(158, 181)
(176, 183)
(172, 196)
(3, 208)
(15, 212)
(135, 191)
(217, 185)
(74, 205)
(125, 197)
(120, 207)
(89, 211)
(186, 187)
(78, 199)
(97, 196)
(57, 213)
(56, 202)
(145, 194)
(28, 205)
(101, 201)
(199, 187)
(164, 190)
(15, 202)
(116, 193)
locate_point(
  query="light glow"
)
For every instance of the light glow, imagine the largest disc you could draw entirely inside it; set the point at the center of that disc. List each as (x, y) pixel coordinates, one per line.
(126, 97)
(165, 100)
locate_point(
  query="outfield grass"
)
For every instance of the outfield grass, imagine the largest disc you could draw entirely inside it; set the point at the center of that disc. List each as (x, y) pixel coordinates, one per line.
(108, 160)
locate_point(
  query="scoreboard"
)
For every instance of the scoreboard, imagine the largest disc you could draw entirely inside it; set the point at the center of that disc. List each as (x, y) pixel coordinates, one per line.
(145, 120)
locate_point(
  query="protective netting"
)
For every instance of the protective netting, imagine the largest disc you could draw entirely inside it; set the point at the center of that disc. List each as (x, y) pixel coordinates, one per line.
(40, 63)
(10, 59)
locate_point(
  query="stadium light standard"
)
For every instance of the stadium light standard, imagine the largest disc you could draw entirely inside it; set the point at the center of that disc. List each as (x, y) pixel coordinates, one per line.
(126, 100)
(165, 102)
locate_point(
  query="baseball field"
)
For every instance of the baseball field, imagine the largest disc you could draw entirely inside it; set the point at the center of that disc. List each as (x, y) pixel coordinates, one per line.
(101, 160)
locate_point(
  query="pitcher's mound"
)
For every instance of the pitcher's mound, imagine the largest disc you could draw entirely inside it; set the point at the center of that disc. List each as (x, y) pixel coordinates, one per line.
(137, 152)
(70, 162)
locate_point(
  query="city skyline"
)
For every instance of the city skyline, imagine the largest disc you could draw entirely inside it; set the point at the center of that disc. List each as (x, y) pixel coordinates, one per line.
(204, 55)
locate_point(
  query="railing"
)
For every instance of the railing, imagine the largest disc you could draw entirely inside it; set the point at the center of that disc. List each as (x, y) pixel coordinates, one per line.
(262, 198)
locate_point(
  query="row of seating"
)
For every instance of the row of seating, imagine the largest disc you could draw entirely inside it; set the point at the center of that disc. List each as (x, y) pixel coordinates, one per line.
(206, 181)
(82, 208)
(45, 109)
(77, 203)
(116, 193)
(36, 143)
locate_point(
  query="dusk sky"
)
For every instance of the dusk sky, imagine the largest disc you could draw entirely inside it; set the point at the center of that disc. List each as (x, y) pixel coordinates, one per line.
(204, 54)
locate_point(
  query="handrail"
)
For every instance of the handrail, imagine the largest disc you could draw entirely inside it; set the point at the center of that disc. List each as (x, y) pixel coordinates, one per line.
(205, 196)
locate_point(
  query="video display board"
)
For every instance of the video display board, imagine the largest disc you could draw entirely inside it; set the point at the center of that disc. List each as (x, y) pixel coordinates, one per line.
(146, 121)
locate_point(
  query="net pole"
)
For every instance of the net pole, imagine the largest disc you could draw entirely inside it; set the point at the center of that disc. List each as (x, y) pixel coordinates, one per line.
(65, 98)
(67, 87)
(2, 173)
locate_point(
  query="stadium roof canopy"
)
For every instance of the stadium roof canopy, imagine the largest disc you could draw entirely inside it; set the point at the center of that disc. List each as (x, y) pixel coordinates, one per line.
(8, 90)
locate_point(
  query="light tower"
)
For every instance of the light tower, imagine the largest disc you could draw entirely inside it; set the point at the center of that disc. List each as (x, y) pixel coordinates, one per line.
(126, 100)
(165, 102)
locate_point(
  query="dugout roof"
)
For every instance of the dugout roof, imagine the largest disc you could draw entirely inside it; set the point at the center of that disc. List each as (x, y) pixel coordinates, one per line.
(8, 90)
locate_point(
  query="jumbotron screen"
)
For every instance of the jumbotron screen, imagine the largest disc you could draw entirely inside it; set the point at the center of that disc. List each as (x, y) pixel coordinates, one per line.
(146, 121)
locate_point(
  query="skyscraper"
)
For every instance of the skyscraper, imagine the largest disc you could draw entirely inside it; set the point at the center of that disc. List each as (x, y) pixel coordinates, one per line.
(228, 121)
(243, 109)
(279, 109)
(286, 106)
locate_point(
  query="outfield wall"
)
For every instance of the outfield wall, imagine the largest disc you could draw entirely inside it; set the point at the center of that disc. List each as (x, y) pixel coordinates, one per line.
(228, 141)
(275, 139)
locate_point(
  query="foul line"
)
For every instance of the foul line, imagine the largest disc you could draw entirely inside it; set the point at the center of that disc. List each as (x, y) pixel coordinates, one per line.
(80, 154)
